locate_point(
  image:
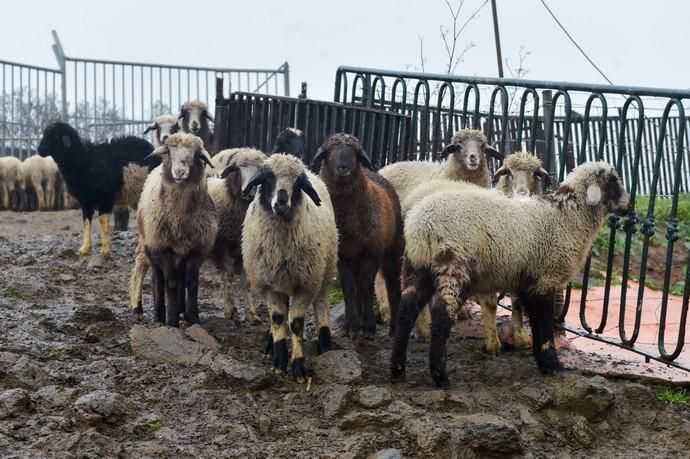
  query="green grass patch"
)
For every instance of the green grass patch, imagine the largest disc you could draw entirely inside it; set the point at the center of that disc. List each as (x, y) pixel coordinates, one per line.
(10, 292)
(673, 396)
(336, 294)
(662, 212)
(154, 425)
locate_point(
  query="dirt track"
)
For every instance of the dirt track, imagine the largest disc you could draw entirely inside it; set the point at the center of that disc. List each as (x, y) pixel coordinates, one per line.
(71, 386)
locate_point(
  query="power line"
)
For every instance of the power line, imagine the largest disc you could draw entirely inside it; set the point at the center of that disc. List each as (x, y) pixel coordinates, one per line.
(574, 42)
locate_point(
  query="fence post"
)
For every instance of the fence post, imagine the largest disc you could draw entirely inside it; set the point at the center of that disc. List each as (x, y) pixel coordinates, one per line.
(61, 58)
(549, 155)
(286, 78)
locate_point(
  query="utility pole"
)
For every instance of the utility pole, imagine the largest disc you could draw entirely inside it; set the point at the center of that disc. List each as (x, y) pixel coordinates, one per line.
(498, 40)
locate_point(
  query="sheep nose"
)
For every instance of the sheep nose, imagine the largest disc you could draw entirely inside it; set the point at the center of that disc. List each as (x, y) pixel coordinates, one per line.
(179, 173)
(342, 169)
(282, 197)
(522, 191)
(194, 126)
(473, 158)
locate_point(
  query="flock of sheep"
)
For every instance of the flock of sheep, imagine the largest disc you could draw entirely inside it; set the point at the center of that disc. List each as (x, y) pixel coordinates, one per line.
(421, 237)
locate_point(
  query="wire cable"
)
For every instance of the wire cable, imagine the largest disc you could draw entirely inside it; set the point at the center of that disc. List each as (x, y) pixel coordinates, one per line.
(574, 42)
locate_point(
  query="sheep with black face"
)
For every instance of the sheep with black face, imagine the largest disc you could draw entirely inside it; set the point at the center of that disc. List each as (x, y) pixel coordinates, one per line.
(291, 141)
(367, 213)
(289, 249)
(193, 118)
(177, 226)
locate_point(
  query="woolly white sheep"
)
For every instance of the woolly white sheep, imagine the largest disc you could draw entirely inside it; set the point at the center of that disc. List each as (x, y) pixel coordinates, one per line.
(11, 183)
(161, 127)
(460, 243)
(465, 161)
(177, 226)
(290, 249)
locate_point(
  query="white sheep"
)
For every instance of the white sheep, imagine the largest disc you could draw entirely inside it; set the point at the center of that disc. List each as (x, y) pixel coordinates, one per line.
(460, 243)
(11, 183)
(161, 127)
(177, 226)
(465, 160)
(290, 249)
(40, 182)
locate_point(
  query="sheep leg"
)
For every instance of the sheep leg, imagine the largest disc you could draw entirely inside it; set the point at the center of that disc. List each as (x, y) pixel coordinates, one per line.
(158, 286)
(322, 315)
(382, 297)
(4, 197)
(191, 278)
(136, 280)
(540, 312)
(106, 242)
(348, 282)
(87, 215)
(170, 275)
(229, 307)
(250, 314)
(521, 339)
(278, 305)
(296, 314)
(417, 290)
(40, 196)
(391, 273)
(453, 276)
(365, 288)
(492, 344)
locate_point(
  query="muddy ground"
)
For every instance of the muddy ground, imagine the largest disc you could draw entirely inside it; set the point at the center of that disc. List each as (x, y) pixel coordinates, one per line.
(71, 385)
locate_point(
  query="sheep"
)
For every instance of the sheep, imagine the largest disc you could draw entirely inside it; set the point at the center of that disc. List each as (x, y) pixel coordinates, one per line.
(161, 128)
(11, 183)
(231, 205)
(520, 175)
(99, 176)
(465, 161)
(460, 243)
(178, 225)
(368, 216)
(289, 250)
(40, 182)
(194, 118)
(290, 141)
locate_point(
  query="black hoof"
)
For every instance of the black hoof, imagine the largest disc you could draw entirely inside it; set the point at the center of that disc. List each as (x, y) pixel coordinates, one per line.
(397, 374)
(324, 342)
(441, 381)
(268, 350)
(548, 362)
(369, 330)
(191, 320)
(300, 371)
(280, 355)
(173, 321)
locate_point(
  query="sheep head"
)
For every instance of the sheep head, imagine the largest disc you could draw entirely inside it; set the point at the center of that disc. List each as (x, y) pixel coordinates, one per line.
(521, 175)
(162, 126)
(243, 164)
(598, 185)
(469, 148)
(60, 140)
(340, 156)
(183, 157)
(283, 178)
(291, 141)
(193, 116)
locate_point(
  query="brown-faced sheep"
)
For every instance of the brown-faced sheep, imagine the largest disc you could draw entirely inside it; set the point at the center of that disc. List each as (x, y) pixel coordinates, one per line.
(367, 213)
(177, 225)
(193, 118)
(289, 249)
(460, 243)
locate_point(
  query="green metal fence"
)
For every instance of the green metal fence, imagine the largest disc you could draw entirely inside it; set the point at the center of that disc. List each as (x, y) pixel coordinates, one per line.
(641, 259)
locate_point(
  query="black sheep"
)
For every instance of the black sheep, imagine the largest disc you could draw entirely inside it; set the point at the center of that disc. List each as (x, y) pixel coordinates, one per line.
(99, 176)
(290, 141)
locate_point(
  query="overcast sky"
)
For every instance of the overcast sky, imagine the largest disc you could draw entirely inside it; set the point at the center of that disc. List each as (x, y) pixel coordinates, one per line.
(634, 42)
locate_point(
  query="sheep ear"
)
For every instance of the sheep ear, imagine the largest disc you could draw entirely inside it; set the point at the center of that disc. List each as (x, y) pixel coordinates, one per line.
(308, 188)
(318, 158)
(162, 150)
(364, 159)
(542, 174)
(209, 117)
(450, 149)
(67, 141)
(494, 153)
(503, 170)
(205, 157)
(255, 181)
(151, 127)
(230, 168)
(174, 128)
